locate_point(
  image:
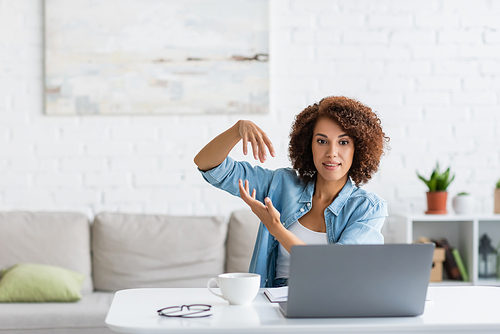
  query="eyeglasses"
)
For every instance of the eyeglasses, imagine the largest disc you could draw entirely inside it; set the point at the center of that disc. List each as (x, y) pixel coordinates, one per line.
(193, 311)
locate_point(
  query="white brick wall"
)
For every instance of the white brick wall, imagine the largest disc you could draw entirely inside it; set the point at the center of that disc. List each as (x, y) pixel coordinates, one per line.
(431, 69)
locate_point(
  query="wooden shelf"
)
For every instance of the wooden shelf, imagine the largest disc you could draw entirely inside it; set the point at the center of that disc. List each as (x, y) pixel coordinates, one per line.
(488, 281)
(462, 231)
(450, 283)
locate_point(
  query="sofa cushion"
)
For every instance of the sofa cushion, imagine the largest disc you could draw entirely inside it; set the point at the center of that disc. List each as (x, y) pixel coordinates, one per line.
(137, 251)
(84, 316)
(53, 238)
(40, 283)
(241, 235)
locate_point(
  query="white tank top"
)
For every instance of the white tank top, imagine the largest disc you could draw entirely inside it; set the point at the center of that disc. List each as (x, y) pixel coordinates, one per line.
(303, 233)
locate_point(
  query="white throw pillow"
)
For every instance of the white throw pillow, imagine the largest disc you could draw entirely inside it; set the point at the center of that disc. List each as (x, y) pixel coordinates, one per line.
(138, 251)
(53, 238)
(243, 228)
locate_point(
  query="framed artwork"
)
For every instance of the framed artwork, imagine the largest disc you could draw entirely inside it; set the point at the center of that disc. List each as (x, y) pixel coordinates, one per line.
(151, 57)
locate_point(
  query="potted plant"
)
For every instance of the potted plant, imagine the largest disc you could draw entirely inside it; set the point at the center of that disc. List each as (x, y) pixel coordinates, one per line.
(497, 198)
(437, 194)
(463, 203)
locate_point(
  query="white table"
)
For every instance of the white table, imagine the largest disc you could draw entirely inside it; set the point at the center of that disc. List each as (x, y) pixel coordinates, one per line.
(451, 309)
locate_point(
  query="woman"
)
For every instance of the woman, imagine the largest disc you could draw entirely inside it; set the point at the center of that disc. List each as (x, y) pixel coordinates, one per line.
(333, 144)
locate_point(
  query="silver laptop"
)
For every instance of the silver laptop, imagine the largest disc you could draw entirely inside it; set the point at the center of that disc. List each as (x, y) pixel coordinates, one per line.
(358, 280)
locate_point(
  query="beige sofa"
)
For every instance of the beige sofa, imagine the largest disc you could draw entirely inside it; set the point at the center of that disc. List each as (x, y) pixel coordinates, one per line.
(114, 252)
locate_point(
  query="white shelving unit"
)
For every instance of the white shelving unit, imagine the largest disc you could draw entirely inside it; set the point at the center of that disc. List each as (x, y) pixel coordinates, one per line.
(463, 232)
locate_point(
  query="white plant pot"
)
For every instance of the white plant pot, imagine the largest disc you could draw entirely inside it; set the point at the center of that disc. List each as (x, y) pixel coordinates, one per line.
(463, 205)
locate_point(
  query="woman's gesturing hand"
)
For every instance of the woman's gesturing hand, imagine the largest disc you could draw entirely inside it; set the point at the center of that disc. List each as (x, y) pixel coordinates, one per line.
(267, 213)
(259, 140)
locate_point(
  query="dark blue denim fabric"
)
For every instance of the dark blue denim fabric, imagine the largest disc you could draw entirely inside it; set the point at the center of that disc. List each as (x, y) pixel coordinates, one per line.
(279, 282)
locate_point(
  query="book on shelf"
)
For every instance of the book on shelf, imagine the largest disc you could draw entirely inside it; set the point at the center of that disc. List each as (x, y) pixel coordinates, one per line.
(460, 265)
(450, 264)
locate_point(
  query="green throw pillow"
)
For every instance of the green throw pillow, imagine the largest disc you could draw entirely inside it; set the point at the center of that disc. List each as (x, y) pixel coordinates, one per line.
(38, 283)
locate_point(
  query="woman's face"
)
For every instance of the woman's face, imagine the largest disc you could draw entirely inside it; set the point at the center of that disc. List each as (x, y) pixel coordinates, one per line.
(332, 150)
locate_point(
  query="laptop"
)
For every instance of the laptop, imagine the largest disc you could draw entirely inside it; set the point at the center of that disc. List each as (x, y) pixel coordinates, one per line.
(358, 280)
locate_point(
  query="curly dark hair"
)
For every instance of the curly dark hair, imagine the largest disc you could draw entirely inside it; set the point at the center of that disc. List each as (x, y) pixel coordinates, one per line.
(356, 119)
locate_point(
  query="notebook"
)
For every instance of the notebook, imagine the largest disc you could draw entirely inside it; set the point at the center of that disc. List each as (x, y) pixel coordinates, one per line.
(276, 295)
(358, 280)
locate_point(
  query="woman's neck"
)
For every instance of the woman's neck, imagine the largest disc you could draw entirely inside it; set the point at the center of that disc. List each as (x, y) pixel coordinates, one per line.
(327, 191)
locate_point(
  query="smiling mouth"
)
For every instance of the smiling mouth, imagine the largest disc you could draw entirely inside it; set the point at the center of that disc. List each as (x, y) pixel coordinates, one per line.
(331, 166)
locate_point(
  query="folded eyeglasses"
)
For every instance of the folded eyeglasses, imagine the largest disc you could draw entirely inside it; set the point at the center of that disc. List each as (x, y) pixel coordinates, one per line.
(186, 311)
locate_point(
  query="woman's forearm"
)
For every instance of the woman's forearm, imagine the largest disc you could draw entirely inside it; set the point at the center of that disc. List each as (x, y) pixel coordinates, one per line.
(214, 153)
(269, 216)
(286, 238)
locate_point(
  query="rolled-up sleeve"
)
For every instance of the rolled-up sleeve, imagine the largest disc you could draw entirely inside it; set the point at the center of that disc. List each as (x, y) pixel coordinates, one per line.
(215, 175)
(226, 176)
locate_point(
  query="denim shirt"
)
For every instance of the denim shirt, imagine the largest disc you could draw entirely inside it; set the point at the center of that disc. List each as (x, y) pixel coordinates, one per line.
(356, 216)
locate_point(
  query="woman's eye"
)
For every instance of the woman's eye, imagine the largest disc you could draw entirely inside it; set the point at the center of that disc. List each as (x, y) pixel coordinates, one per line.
(344, 142)
(321, 141)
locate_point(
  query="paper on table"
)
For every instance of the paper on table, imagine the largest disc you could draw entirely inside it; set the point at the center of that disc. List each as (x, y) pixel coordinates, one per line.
(276, 295)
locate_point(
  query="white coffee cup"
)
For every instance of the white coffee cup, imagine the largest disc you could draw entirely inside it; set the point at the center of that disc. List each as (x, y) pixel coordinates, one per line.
(236, 288)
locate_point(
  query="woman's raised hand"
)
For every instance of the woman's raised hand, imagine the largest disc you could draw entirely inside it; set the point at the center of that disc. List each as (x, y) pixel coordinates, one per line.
(259, 140)
(214, 153)
(267, 213)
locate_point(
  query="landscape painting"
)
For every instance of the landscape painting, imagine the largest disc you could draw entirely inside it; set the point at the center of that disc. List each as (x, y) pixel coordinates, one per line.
(151, 57)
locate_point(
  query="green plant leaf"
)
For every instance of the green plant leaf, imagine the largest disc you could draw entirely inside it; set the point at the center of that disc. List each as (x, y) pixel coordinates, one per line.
(448, 183)
(442, 179)
(427, 182)
(438, 181)
(434, 174)
(433, 185)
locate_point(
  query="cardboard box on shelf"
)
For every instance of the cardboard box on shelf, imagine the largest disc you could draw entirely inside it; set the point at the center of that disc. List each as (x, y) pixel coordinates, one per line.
(437, 265)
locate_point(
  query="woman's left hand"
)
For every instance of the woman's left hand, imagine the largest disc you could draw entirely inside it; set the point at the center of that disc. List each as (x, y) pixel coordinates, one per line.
(267, 213)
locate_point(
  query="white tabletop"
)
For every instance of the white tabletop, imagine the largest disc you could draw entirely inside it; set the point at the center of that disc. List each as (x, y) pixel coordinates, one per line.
(450, 309)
